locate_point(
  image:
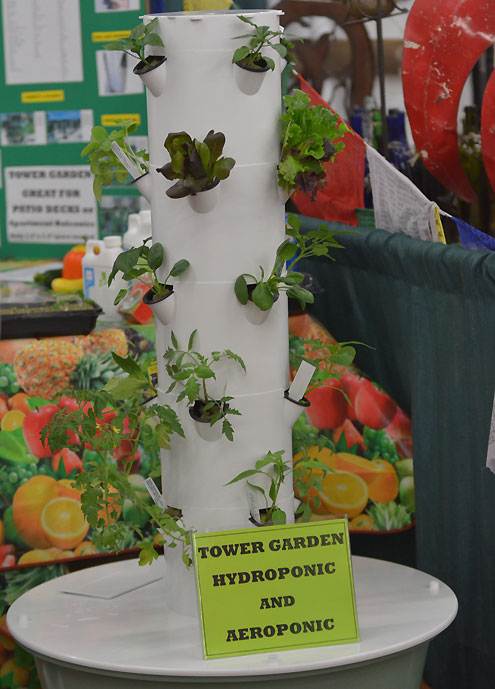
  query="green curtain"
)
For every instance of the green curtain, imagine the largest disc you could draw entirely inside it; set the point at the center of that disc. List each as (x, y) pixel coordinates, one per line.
(428, 311)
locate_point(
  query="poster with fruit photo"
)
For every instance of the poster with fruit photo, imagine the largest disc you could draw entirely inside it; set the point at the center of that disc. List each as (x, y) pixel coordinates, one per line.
(40, 509)
(360, 435)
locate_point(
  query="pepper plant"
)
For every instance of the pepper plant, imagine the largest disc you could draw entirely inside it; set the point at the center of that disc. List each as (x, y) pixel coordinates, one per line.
(104, 164)
(140, 37)
(101, 421)
(145, 261)
(197, 165)
(192, 370)
(276, 470)
(298, 246)
(250, 56)
(310, 137)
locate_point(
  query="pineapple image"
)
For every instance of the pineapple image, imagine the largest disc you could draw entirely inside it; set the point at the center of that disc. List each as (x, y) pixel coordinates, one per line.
(47, 367)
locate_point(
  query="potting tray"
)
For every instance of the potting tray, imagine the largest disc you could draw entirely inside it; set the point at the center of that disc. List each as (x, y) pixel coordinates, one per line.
(47, 323)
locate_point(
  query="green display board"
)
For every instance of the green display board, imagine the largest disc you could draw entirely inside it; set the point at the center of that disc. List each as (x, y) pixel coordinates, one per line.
(57, 82)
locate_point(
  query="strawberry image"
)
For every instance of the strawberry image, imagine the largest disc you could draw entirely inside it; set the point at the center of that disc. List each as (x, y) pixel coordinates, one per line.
(373, 407)
(33, 424)
(351, 434)
(328, 405)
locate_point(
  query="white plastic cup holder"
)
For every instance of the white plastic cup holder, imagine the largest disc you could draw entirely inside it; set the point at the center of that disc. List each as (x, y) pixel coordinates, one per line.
(283, 195)
(153, 77)
(249, 80)
(143, 185)
(164, 308)
(253, 313)
(294, 408)
(203, 427)
(205, 201)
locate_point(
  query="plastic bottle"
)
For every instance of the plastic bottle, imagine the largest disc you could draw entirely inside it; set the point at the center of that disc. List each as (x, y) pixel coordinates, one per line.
(130, 237)
(97, 265)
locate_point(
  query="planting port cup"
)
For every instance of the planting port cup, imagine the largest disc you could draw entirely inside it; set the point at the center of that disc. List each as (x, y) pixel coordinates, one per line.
(154, 76)
(253, 313)
(249, 79)
(294, 408)
(163, 308)
(205, 201)
(143, 185)
(204, 428)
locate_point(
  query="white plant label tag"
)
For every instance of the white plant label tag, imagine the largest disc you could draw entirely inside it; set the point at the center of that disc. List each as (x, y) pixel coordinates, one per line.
(130, 167)
(156, 496)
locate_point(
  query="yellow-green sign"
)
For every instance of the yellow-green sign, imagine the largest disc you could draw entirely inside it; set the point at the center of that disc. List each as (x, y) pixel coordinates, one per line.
(274, 588)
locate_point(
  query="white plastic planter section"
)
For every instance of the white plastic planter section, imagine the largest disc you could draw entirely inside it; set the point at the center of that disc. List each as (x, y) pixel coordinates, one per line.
(164, 308)
(254, 314)
(283, 195)
(203, 427)
(143, 185)
(249, 80)
(294, 408)
(205, 201)
(153, 77)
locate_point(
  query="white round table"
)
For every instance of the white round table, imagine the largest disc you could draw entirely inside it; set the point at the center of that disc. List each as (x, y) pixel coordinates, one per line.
(134, 640)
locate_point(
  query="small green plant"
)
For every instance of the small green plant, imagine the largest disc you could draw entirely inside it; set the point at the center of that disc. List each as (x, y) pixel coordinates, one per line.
(197, 165)
(310, 136)
(104, 164)
(324, 356)
(102, 422)
(299, 246)
(140, 37)
(145, 260)
(191, 369)
(276, 470)
(251, 56)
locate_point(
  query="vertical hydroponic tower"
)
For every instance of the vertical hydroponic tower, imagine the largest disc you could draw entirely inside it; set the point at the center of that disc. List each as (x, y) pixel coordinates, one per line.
(240, 233)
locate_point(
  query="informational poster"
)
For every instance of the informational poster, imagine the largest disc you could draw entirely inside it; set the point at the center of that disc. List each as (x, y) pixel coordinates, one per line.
(42, 41)
(49, 203)
(57, 82)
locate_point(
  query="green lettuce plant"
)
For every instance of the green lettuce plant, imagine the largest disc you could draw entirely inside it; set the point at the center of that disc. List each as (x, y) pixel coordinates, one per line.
(298, 246)
(145, 261)
(250, 56)
(140, 37)
(197, 165)
(192, 370)
(310, 137)
(104, 164)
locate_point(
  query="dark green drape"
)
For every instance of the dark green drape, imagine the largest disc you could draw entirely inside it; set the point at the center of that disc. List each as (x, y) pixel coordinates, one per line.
(429, 312)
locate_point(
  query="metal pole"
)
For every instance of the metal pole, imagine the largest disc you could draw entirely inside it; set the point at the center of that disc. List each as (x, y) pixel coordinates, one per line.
(381, 78)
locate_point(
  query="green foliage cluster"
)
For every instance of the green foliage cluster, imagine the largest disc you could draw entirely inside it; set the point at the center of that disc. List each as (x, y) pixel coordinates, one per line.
(325, 357)
(276, 470)
(104, 164)
(102, 419)
(310, 137)
(192, 369)
(298, 246)
(145, 260)
(197, 165)
(251, 55)
(140, 37)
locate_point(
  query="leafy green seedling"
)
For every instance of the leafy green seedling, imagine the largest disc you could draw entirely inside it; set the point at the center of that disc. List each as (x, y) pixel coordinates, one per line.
(197, 165)
(250, 56)
(299, 246)
(192, 369)
(140, 37)
(104, 164)
(146, 260)
(310, 137)
(273, 467)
